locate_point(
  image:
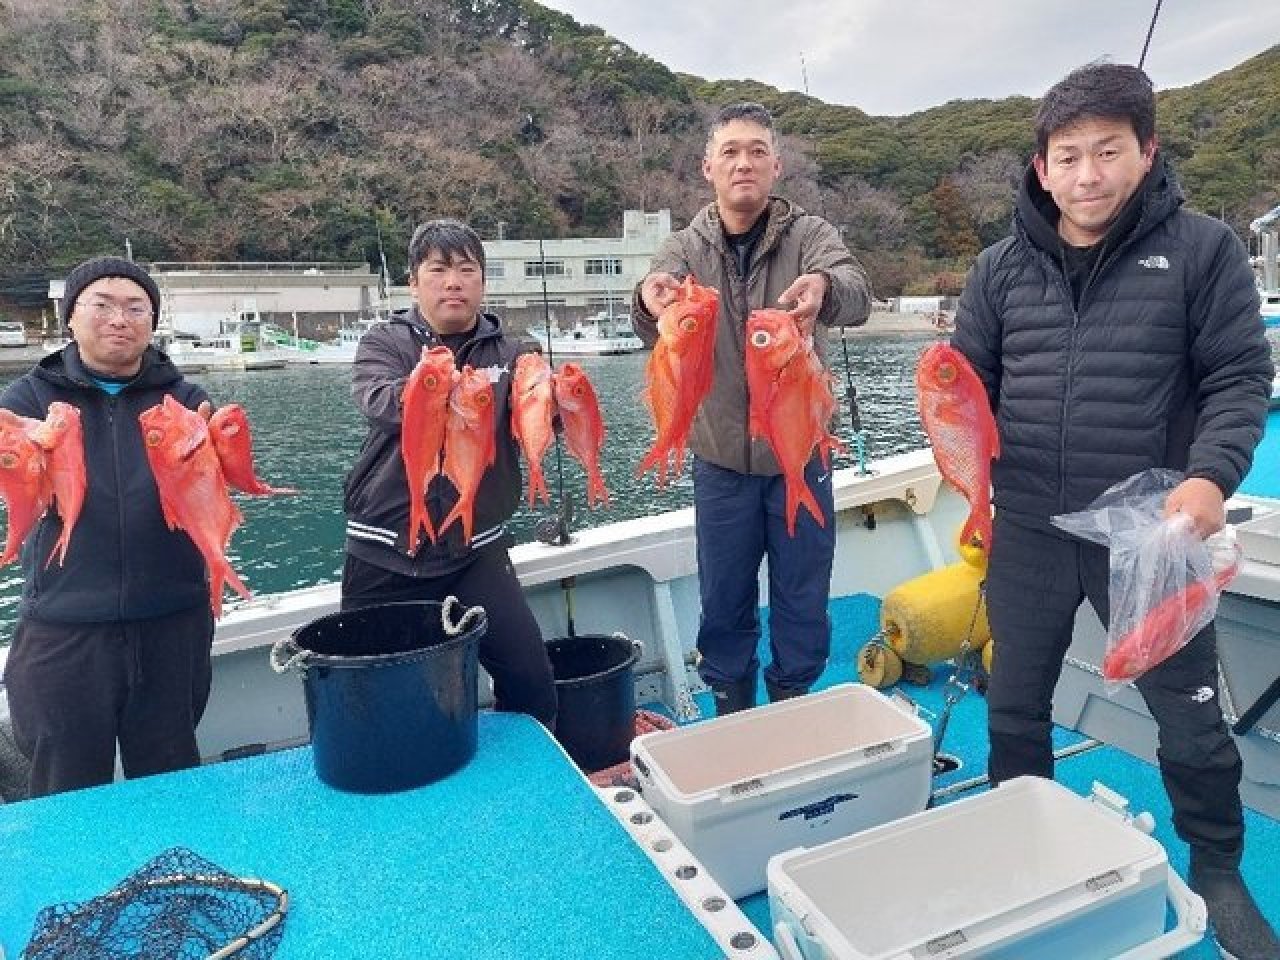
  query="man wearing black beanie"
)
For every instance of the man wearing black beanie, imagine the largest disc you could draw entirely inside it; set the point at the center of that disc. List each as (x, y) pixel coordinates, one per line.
(112, 646)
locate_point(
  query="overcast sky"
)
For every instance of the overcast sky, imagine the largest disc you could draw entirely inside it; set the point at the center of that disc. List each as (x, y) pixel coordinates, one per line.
(892, 57)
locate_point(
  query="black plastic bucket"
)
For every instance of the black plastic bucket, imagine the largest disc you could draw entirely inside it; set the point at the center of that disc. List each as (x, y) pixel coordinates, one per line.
(391, 693)
(595, 684)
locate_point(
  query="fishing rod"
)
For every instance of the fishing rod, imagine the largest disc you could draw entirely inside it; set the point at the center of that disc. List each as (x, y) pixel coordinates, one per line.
(850, 390)
(553, 531)
(1150, 30)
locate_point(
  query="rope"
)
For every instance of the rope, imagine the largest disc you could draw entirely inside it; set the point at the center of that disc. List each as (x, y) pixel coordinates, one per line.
(453, 627)
(855, 417)
(1150, 30)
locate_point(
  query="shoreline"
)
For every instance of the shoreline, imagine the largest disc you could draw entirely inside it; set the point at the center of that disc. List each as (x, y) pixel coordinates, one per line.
(882, 322)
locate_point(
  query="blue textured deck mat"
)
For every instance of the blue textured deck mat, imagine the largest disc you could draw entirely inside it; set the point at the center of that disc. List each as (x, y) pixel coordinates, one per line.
(512, 858)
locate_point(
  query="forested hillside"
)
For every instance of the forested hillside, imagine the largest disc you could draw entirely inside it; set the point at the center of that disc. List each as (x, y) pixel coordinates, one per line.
(306, 129)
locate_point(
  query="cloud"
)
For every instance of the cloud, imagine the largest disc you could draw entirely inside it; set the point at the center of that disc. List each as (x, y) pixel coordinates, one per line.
(890, 57)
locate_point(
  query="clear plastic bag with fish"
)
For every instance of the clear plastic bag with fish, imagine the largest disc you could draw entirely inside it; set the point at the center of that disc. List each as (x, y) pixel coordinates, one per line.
(1164, 582)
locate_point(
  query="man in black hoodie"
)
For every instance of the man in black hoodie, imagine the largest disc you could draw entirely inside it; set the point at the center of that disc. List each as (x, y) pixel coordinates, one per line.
(1115, 331)
(446, 277)
(113, 645)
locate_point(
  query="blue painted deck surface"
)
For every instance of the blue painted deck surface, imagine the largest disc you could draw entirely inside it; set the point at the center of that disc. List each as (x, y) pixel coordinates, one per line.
(512, 858)
(1263, 480)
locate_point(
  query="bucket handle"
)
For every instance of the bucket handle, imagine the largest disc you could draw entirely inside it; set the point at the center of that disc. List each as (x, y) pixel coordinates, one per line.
(453, 627)
(636, 645)
(287, 655)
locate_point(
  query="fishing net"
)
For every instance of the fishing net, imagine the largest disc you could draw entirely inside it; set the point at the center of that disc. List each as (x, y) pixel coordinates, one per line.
(178, 906)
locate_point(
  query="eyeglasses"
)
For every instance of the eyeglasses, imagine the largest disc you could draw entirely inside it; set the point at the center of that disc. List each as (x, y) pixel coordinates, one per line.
(104, 310)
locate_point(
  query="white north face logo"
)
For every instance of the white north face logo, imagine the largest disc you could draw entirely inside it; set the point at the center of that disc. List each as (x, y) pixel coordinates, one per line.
(1203, 695)
(1156, 262)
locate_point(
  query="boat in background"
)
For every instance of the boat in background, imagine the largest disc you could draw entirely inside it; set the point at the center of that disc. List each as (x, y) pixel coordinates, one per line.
(598, 336)
(229, 350)
(300, 350)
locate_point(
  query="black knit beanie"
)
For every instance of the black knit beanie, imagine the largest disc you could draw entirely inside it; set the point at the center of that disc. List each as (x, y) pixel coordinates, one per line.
(100, 267)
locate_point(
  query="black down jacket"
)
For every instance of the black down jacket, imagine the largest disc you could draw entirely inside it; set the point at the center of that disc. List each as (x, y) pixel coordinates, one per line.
(1164, 363)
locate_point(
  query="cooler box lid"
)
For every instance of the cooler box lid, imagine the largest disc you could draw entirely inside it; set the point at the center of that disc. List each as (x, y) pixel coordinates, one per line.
(1031, 847)
(845, 722)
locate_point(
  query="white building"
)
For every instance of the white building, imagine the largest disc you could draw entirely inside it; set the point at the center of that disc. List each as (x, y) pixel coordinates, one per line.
(205, 299)
(592, 274)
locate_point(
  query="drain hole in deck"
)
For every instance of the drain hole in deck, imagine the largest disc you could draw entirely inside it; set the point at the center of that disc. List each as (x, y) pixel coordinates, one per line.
(945, 763)
(713, 904)
(641, 818)
(686, 872)
(742, 941)
(662, 844)
(624, 796)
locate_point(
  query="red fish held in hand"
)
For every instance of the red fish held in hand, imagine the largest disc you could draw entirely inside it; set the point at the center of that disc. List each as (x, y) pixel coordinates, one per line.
(791, 403)
(531, 415)
(583, 427)
(470, 444)
(1162, 632)
(958, 420)
(424, 413)
(679, 373)
(62, 438)
(229, 427)
(192, 488)
(24, 483)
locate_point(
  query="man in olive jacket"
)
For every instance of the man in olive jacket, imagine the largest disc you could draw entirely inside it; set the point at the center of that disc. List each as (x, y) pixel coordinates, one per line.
(1115, 332)
(758, 251)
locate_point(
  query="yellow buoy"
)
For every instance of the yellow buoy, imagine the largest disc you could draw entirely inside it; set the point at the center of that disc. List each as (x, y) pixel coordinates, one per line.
(987, 653)
(926, 620)
(878, 666)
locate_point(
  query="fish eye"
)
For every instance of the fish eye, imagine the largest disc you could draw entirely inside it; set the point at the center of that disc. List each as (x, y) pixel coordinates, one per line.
(947, 372)
(482, 398)
(8, 460)
(430, 381)
(688, 324)
(154, 437)
(761, 338)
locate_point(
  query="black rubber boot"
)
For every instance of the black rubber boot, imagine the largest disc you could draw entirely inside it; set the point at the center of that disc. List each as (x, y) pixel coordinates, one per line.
(1241, 930)
(777, 692)
(735, 696)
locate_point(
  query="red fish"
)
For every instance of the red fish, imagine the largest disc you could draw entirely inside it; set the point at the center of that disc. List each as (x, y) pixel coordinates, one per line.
(1162, 632)
(958, 421)
(583, 427)
(24, 483)
(229, 428)
(791, 403)
(62, 438)
(192, 488)
(679, 374)
(470, 444)
(424, 412)
(531, 414)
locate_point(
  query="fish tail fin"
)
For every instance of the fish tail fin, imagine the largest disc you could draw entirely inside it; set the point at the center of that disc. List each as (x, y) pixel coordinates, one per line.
(222, 576)
(597, 493)
(977, 527)
(59, 549)
(799, 495)
(538, 485)
(461, 512)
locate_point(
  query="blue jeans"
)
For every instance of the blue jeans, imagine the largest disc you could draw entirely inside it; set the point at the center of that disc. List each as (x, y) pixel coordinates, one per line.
(740, 519)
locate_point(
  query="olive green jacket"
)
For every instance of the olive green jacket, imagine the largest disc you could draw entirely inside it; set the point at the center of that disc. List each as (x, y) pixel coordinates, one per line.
(794, 243)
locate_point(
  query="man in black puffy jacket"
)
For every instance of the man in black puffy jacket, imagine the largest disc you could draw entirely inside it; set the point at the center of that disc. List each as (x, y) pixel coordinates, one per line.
(113, 645)
(1115, 332)
(446, 276)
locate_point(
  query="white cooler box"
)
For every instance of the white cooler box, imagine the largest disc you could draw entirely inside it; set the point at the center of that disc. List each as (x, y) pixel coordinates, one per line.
(1030, 871)
(740, 788)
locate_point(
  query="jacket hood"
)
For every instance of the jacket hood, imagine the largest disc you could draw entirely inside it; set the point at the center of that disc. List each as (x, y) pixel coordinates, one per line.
(66, 369)
(487, 324)
(1158, 196)
(781, 213)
